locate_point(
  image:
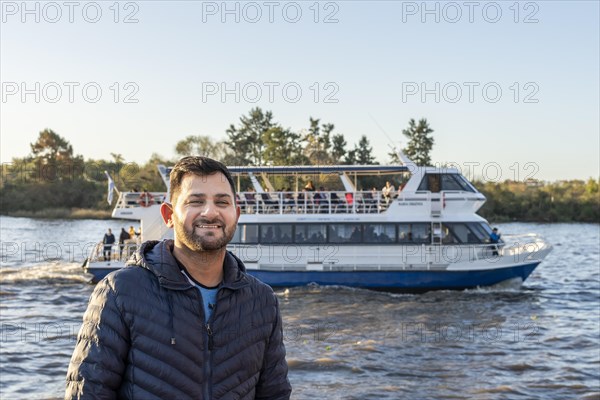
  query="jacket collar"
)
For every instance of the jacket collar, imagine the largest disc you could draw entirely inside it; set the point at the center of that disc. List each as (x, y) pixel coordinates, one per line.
(157, 257)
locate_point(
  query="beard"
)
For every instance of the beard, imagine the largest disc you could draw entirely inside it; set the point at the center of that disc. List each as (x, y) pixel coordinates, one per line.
(209, 241)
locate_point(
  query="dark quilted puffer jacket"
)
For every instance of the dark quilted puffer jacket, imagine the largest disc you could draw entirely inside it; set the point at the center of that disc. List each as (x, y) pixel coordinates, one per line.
(144, 336)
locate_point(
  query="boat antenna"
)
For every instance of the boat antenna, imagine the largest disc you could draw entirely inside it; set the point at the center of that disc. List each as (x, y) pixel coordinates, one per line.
(382, 130)
(391, 144)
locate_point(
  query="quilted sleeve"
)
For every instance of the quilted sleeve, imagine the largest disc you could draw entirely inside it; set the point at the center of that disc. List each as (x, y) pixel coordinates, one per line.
(98, 362)
(273, 383)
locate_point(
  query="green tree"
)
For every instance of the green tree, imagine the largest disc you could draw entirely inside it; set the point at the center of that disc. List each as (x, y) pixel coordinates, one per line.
(313, 146)
(200, 146)
(420, 142)
(53, 159)
(318, 142)
(246, 142)
(338, 151)
(363, 152)
(117, 158)
(51, 148)
(282, 147)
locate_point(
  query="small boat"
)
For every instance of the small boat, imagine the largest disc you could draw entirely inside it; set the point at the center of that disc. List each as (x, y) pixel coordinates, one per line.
(426, 236)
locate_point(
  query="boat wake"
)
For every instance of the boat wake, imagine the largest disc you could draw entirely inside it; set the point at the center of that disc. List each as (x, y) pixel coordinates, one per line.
(50, 273)
(509, 285)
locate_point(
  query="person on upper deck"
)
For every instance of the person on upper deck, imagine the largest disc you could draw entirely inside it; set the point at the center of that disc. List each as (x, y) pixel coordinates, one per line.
(319, 196)
(388, 191)
(310, 187)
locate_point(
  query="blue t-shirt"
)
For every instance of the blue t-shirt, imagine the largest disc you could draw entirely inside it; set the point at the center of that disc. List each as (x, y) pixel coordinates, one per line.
(208, 294)
(209, 298)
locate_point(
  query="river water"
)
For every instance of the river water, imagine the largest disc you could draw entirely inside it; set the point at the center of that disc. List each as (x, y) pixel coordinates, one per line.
(536, 340)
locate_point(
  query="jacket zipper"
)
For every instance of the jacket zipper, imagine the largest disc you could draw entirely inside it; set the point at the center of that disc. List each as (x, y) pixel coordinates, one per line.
(209, 348)
(208, 363)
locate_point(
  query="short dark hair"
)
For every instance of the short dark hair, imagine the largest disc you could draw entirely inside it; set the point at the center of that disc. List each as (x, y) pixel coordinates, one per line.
(196, 165)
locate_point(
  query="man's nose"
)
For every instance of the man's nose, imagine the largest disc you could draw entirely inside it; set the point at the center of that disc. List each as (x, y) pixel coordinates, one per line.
(210, 209)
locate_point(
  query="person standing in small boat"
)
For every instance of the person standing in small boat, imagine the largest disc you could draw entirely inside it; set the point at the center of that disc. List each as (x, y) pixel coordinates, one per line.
(108, 241)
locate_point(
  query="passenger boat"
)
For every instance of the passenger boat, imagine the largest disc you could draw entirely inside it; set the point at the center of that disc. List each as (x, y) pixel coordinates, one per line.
(427, 236)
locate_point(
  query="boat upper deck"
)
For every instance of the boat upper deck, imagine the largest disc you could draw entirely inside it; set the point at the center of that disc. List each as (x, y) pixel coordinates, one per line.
(318, 202)
(426, 193)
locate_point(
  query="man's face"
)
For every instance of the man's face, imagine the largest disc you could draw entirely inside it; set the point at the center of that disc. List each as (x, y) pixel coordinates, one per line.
(204, 215)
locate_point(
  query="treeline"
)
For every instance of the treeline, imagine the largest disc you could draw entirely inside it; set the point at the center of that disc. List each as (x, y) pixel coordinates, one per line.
(53, 181)
(259, 140)
(534, 201)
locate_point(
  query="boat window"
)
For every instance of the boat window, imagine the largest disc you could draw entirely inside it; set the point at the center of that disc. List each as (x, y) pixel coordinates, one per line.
(345, 233)
(455, 182)
(414, 233)
(482, 231)
(448, 236)
(310, 233)
(467, 187)
(437, 182)
(404, 233)
(463, 233)
(486, 228)
(431, 182)
(245, 234)
(275, 233)
(421, 233)
(449, 183)
(379, 233)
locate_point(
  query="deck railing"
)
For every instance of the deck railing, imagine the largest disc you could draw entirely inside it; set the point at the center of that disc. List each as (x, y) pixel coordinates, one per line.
(117, 252)
(140, 199)
(326, 202)
(330, 202)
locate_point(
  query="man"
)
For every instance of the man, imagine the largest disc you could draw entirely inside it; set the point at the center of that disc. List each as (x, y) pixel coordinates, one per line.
(495, 239)
(108, 240)
(388, 192)
(184, 320)
(124, 236)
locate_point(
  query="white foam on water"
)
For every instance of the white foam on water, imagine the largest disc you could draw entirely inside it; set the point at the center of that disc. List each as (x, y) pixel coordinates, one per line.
(57, 272)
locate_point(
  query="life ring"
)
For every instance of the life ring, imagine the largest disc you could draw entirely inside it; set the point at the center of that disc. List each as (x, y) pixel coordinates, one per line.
(145, 199)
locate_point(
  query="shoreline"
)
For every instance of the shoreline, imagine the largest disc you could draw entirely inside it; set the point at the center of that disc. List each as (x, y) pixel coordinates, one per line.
(61, 213)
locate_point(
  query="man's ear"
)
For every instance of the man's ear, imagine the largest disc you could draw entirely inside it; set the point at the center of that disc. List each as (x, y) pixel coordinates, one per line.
(166, 210)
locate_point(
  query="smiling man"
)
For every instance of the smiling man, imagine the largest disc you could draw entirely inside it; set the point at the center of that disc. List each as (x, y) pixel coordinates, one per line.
(184, 320)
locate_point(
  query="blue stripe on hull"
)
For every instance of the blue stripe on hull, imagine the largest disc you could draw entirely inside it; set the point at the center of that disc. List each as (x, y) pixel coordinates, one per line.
(99, 273)
(396, 280)
(383, 280)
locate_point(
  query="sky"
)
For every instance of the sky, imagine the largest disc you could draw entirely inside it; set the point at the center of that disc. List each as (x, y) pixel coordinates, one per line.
(510, 88)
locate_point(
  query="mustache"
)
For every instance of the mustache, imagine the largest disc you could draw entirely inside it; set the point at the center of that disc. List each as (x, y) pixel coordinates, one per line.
(203, 221)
